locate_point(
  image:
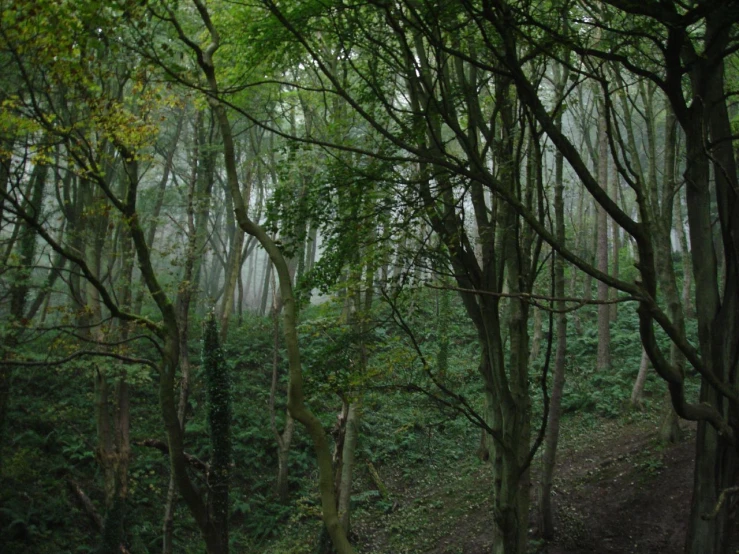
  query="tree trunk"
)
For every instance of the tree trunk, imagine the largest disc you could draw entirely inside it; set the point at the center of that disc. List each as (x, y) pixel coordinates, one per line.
(682, 243)
(716, 463)
(591, 250)
(283, 439)
(197, 221)
(312, 246)
(250, 271)
(283, 456)
(233, 274)
(616, 234)
(604, 331)
(296, 403)
(551, 438)
(641, 377)
(537, 336)
(347, 465)
(669, 431)
(218, 394)
(265, 287)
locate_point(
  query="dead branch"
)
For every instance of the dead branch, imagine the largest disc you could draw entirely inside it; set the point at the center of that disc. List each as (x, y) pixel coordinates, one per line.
(721, 499)
(378, 481)
(164, 449)
(86, 504)
(80, 354)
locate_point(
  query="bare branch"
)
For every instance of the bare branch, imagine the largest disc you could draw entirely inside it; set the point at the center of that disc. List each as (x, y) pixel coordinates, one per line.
(164, 449)
(76, 355)
(531, 297)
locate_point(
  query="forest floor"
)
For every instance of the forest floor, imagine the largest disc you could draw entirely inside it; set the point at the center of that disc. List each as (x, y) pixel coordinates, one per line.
(624, 494)
(617, 490)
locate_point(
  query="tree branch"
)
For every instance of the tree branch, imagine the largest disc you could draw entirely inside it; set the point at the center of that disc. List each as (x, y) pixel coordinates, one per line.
(164, 449)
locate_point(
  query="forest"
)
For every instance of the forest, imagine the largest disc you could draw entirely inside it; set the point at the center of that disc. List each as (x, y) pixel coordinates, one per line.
(369, 276)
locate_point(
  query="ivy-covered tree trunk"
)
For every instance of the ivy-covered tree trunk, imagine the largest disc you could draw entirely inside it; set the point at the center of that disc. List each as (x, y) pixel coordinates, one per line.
(218, 391)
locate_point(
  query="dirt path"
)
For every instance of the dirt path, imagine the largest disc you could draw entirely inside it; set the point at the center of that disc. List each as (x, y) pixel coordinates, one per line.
(624, 496)
(616, 491)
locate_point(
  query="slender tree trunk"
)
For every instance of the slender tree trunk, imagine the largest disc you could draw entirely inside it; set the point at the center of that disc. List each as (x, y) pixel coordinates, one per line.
(574, 272)
(283, 458)
(296, 402)
(283, 439)
(312, 246)
(616, 234)
(638, 390)
(537, 336)
(555, 405)
(265, 287)
(233, 272)
(347, 465)
(682, 242)
(250, 271)
(158, 203)
(670, 428)
(240, 298)
(590, 253)
(196, 222)
(113, 527)
(604, 331)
